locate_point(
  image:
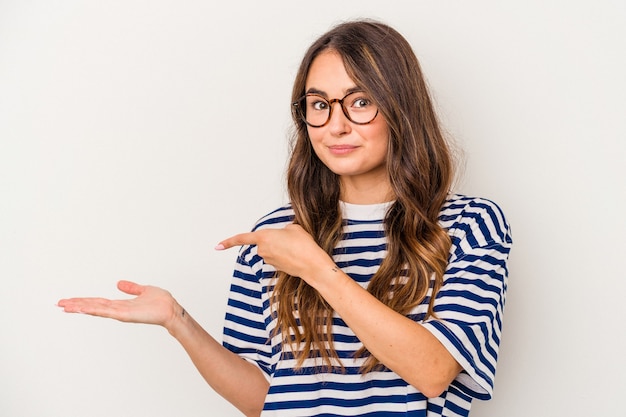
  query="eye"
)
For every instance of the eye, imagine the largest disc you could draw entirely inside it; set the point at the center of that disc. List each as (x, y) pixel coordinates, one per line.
(319, 105)
(316, 103)
(360, 102)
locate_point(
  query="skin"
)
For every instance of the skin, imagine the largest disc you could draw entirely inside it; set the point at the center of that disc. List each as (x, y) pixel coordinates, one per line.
(235, 379)
(355, 152)
(401, 344)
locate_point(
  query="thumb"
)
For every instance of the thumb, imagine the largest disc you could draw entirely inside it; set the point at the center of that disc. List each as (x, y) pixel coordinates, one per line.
(130, 287)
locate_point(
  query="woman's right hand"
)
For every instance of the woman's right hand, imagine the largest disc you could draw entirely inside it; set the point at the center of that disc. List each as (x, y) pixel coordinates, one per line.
(237, 380)
(152, 305)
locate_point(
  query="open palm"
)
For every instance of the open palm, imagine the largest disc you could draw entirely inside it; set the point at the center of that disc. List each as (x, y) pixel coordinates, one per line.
(152, 305)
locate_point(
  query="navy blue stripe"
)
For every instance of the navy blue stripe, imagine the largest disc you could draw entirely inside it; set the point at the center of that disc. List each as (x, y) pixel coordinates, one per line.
(339, 386)
(470, 296)
(495, 275)
(337, 401)
(244, 276)
(248, 351)
(314, 370)
(245, 322)
(268, 220)
(435, 408)
(379, 414)
(360, 262)
(473, 281)
(244, 306)
(350, 222)
(237, 289)
(469, 393)
(245, 337)
(364, 234)
(469, 235)
(360, 249)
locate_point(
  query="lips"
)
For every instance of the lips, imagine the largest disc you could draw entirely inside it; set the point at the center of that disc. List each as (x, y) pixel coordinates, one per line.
(342, 149)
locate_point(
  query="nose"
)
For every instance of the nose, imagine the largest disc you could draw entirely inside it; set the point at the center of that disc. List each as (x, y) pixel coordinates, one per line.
(338, 124)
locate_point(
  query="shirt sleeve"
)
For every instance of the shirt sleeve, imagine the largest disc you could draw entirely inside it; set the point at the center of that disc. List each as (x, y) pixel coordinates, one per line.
(469, 305)
(245, 325)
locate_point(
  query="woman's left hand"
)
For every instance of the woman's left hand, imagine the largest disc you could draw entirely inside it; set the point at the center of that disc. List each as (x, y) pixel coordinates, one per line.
(291, 249)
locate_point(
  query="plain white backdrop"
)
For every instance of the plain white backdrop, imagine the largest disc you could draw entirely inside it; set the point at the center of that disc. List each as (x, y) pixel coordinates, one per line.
(134, 135)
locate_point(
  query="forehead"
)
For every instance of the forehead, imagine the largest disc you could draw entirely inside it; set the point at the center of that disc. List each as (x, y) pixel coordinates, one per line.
(328, 74)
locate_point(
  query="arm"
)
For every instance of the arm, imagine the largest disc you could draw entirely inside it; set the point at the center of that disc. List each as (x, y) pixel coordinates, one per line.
(401, 344)
(238, 381)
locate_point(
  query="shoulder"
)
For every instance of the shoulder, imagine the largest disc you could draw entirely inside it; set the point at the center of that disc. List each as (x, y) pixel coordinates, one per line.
(275, 219)
(474, 222)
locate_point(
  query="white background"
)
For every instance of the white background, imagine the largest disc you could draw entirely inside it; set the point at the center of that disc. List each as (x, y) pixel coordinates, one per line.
(134, 135)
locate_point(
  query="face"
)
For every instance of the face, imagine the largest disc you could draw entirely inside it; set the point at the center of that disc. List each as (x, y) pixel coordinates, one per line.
(356, 153)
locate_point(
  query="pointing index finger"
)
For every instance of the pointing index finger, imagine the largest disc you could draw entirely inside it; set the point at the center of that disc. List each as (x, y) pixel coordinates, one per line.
(237, 240)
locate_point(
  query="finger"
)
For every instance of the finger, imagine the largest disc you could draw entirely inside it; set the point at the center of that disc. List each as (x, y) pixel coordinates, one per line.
(130, 287)
(93, 306)
(74, 303)
(249, 238)
(101, 307)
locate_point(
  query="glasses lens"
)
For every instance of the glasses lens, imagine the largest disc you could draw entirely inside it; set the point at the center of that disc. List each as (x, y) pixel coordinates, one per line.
(316, 109)
(361, 109)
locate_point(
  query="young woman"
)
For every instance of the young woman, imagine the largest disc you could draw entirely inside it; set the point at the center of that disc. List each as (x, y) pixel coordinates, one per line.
(374, 291)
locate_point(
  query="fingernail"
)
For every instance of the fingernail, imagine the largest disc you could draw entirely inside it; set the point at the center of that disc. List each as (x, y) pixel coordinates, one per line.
(219, 246)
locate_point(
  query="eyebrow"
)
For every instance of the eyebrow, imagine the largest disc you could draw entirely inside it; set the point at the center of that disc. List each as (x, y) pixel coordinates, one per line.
(350, 90)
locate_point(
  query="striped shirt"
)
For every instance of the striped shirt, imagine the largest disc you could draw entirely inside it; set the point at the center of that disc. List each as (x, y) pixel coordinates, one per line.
(468, 306)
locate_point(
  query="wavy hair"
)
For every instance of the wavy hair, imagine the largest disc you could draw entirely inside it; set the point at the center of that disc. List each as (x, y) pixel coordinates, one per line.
(420, 169)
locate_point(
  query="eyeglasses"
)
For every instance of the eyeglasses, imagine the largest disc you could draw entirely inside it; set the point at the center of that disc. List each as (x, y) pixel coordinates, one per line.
(316, 110)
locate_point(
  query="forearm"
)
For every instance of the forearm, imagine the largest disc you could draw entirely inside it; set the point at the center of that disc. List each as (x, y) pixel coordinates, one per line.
(401, 344)
(238, 381)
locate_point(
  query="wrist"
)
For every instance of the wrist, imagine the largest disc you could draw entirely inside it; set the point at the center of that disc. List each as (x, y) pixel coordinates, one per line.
(326, 276)
(177, 321)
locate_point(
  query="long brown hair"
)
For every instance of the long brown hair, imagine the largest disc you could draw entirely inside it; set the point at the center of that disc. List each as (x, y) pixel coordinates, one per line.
(381, 61)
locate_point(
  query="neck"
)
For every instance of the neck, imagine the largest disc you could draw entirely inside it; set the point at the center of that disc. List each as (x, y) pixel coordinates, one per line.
(357, 191)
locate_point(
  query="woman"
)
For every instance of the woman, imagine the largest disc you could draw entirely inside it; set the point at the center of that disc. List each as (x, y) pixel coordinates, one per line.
(375, 291)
